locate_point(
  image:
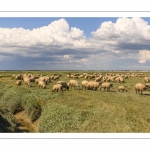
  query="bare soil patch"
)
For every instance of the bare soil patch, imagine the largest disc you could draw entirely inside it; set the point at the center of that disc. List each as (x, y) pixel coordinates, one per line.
(24, 124)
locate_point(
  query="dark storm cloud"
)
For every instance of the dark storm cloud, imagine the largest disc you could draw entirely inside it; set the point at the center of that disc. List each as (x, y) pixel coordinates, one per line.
(133, 46)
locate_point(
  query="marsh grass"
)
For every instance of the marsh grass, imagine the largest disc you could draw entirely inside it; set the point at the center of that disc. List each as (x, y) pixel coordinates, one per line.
(7, 122)
(79, 110)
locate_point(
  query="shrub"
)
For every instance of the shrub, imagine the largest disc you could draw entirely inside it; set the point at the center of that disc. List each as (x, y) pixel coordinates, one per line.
(7, 122)
(32, 107)
(58, 118)
(11, 100)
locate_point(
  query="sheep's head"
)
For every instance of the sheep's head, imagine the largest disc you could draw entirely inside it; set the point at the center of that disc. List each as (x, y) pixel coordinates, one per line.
(111, 85)
(78, 87)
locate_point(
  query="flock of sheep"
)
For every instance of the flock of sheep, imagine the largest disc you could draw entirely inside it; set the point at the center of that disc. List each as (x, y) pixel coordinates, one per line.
(97, 81)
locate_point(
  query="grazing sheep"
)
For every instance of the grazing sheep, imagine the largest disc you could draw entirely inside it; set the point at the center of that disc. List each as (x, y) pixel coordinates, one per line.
(73, 83)
(18, 82)
(84, 84)
(140, 87)
(57, 87)
(106, 85)
(93, 85)
(98, 78)
(13, 76)
(32, 79)
(57, 77)
(146, 79)
(68, 76)
(27, 81)
(147, 85)
(37, 81)
(41, 84)
(42, 79)
(119, 79)
(18, 77)
(122, 88)
(81, 76)
(64, 84)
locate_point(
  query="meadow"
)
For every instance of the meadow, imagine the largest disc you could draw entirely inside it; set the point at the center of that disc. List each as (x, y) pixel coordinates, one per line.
(73, 110)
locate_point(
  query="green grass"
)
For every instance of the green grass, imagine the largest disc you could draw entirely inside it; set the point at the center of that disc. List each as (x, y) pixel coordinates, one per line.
(79, 110)
(7, 122)
(58, 118)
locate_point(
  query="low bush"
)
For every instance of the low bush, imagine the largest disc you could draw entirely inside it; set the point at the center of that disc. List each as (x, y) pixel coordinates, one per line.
(11, 101)
(58, 118)
(32, 106)
(7, 122)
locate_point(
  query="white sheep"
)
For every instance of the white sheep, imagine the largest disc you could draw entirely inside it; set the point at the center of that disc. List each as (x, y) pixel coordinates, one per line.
(57, 87)
(73, 83)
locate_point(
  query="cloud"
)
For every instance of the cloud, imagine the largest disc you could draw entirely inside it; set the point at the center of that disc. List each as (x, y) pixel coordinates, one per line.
(142, 61)
(126, 33)
(126, 40)
(66, 56)
(56, 34)
(144, 55)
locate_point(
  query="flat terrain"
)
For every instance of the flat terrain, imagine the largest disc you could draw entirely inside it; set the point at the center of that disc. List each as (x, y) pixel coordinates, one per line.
(73, 110)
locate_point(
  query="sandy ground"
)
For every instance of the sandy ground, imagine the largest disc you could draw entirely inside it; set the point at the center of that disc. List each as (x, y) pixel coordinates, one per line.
(24, 124)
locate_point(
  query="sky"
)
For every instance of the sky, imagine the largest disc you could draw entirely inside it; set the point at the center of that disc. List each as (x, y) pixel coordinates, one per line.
(74, 43)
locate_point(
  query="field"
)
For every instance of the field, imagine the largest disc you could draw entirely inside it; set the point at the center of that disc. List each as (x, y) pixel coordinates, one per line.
(31, 109)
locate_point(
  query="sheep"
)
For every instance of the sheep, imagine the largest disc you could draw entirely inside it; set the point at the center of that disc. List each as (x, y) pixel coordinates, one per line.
(146, 79)
(18, 82)
(119, 79)
(68, 76)
(92, 85)
(73, 83)
(37, 81)
(42, 79)
(122, 88)
(98, 78)
(13, 76)
(147, 85)
(27, 81)
(106, 85)
(0, 76)
(18, 77)
(84, 84)
(140, 87)
(57, 87)
(64, 84)
(57, 77)
(81, 76)
(41, 84)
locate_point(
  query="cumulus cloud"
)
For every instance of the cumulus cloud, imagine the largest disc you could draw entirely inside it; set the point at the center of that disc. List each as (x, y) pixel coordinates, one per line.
(125, 33)
(144, 55)
(124, 28)
(56, 34)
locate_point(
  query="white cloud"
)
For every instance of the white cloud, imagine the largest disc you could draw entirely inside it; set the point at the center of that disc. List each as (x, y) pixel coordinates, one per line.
(58, 33)
(144, 55)
(142, 61)
(129, 29)
(66, 56)
(83, 60)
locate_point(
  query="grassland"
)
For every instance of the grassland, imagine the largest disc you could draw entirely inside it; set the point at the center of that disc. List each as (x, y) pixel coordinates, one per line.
(79, 111)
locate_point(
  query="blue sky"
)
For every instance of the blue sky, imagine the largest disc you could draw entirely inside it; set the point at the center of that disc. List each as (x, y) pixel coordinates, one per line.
(84, 23)
(103, 43)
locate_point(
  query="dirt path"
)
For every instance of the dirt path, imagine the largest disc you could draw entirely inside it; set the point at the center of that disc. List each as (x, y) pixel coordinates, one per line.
(24, 124)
